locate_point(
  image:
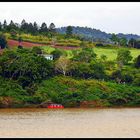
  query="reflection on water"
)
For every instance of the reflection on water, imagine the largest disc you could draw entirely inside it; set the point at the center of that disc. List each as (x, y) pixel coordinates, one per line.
(124, 122)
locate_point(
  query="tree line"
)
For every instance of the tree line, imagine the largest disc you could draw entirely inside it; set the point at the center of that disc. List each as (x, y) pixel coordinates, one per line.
(124, 42)
(25, 27)
(28, 68)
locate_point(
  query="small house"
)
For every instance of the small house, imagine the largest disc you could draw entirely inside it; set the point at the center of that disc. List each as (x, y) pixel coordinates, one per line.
(48, 56)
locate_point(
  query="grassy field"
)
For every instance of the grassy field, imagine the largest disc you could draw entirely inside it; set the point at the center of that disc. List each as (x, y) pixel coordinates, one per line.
(109, 52)
(112, 53)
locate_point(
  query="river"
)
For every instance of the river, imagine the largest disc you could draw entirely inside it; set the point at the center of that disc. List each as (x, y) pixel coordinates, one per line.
(70, 123)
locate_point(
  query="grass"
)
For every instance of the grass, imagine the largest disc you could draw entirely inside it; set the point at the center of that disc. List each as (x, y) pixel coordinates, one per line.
(47, 49)
(111, 53)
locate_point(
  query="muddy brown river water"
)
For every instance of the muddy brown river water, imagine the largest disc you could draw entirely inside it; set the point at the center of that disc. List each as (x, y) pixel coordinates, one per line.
(70, 123)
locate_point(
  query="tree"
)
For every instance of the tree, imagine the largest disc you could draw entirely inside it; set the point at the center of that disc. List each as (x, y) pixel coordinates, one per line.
(124, 56)
(69, 31)
(114, 38)
(30, 28)
(85, 55)
(103, 58)
(23, 22)
(3, 41)
(117, 76)
(83, 44)
(5, 25)
(98, 70)
(25, 67)
(109, 65)
(11, 26)
(56, 54)
(132, 42)
(35, 28)
(24, 26)
(54, 41)
(20, 40)
(128, 78)
(123, 41)
(62, 65)
(137, 44)
(120, 64)
(13, 33)
(81, 69)
(137, 80)
(43, 28)
(52, 27)
(37, 50)
(137, 62)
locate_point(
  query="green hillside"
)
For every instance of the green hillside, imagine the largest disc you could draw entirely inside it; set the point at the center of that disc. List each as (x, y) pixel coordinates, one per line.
(82, 73)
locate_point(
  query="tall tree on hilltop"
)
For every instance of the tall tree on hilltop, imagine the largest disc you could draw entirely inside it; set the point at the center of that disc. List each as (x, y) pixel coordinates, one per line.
(24, 26)
(3, 41)
(69, 31)
(23, 22)
(123, 41)
(43, 28)
(132, 42)
(11, 26)
(52, 29)
(115, 39)
(30, 28)
(5, 25)
(35, 26)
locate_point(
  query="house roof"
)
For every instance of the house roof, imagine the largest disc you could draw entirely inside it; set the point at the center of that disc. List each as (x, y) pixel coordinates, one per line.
(48, 55)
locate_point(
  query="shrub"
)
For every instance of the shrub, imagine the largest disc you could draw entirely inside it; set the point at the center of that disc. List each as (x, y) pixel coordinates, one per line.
(137, 62)
(3, 41)
(124, 56)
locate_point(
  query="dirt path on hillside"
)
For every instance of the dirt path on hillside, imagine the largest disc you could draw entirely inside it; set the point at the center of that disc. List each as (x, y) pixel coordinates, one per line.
(12, 43)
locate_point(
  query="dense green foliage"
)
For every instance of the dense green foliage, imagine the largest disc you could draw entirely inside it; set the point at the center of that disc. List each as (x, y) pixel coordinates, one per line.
(28, 78)
(107, 77)
(3, 41)
(47, 34)
(124, 56)
(71, 92)
(25, 66)
(137, 63)
(69, 31)
(95, 35)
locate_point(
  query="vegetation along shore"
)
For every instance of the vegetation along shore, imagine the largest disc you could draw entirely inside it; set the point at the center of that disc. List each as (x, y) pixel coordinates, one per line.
(41, 65)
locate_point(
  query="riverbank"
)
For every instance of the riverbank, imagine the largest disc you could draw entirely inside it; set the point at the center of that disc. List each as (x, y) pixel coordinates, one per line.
(70, 92)
(70, 122)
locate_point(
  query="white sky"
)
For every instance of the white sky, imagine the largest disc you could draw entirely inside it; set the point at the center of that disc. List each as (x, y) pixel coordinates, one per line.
(111, 17)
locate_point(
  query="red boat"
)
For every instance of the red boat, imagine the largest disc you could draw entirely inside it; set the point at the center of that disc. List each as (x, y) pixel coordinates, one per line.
(55, 106)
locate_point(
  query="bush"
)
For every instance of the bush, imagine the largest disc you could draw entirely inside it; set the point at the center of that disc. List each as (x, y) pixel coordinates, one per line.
(3, 41)
(20, 47)
(98, 70)
(99, 45)
(137, 62)
(56, 54)
(25, 67)
(117, 76)
(37, 50)
(71, 92)
(124, 56)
